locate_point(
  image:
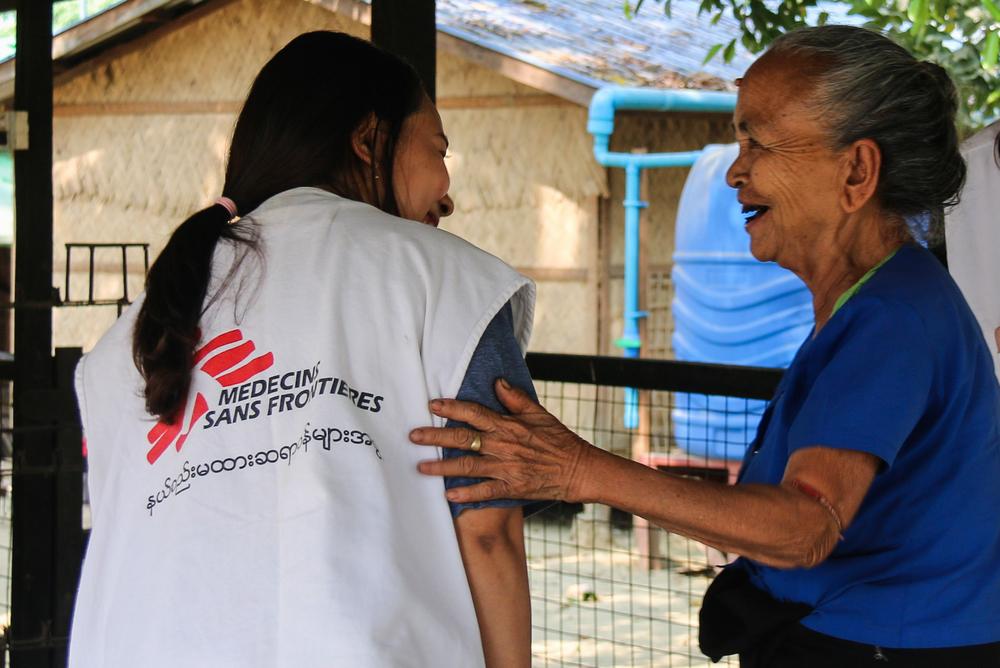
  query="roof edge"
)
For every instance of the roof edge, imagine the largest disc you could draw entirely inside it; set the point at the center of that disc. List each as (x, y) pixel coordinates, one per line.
(120, 28)
(566, 85)
(573, 88)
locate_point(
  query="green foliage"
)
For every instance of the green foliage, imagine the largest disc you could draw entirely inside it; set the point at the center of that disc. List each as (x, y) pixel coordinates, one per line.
(963, 36)
(67, 13)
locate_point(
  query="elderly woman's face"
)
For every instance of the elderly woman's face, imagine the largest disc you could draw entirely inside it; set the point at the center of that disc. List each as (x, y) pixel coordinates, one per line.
(786, 176)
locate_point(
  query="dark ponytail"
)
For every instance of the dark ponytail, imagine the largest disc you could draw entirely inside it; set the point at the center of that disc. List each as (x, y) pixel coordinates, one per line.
(295, 129)
(166, 330)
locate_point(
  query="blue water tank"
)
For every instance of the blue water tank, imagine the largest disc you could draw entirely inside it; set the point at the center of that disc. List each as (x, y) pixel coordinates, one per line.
(728, 308)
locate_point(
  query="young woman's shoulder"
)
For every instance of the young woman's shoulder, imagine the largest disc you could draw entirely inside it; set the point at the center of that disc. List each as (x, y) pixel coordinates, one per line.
(314, 216)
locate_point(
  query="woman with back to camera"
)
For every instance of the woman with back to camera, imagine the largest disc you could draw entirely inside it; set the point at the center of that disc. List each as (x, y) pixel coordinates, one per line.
(255, 501)
(866, 509)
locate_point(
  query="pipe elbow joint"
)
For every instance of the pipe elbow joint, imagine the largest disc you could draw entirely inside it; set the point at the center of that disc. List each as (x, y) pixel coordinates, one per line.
(601, 115)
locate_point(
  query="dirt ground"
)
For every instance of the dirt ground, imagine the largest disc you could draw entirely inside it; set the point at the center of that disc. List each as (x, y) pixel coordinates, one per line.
(595, 603)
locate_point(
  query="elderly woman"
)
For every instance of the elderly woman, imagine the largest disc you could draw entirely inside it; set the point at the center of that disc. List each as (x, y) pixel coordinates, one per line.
(866, 510)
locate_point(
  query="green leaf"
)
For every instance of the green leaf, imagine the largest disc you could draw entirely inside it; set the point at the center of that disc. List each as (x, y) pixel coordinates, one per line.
(991, 50)
(992, 8)
(711, 53)
(730, 51)
(749, 43)
(823, 18)
(993, 97)
(917, 12)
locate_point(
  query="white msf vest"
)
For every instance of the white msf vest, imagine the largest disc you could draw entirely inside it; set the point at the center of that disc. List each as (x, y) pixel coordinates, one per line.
(283, 522)
(973, 235)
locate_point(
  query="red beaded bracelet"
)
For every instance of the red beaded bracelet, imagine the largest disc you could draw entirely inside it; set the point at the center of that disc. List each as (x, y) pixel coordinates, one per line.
(811, 491)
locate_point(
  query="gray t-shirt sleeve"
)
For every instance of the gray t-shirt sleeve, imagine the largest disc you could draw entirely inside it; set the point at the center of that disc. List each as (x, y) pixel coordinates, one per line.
(497, 355)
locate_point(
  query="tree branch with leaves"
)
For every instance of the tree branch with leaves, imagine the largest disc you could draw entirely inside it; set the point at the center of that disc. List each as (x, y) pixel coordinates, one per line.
(963, 36)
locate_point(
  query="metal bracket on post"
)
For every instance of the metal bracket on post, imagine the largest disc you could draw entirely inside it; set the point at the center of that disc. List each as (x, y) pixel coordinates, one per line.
(13, 131)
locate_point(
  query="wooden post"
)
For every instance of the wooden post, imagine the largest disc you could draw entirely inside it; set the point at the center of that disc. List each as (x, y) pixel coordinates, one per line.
(68, 499)
(641, 438)
(36, 637)
(646, 535)
(408, 29)
(604, 231)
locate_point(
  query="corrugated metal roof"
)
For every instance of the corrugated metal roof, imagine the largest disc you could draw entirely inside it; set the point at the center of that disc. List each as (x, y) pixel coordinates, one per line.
(594, 43)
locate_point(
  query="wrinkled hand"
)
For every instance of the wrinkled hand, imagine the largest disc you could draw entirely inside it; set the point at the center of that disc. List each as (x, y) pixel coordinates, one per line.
(528, 454)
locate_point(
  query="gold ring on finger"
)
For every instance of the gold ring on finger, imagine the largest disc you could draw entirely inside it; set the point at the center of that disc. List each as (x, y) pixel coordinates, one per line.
(477, 443)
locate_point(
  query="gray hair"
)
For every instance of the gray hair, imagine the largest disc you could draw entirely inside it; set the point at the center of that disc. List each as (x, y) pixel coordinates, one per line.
(868, 87)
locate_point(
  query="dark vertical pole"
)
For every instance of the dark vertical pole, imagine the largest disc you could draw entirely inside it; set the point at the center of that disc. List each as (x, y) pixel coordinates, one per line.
(408, 29)
(67, 522)
(33, 502)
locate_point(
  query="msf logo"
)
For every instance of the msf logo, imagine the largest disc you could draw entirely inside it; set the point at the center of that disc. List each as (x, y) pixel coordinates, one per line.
(227, 359)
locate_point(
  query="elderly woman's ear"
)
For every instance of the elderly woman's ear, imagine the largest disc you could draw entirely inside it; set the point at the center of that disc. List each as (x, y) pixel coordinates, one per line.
(862, 164)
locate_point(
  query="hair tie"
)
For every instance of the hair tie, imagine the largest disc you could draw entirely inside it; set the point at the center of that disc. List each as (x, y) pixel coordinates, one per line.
(229, 205)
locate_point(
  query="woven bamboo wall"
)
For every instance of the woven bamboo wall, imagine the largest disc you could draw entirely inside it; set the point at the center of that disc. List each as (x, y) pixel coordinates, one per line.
(526, 188)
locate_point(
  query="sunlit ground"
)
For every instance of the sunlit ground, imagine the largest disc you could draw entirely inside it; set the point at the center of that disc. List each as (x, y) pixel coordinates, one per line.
(594, 602)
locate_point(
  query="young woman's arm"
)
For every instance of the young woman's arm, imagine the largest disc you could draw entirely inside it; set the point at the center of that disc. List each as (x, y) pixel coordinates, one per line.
(492, 544)
(490, 535)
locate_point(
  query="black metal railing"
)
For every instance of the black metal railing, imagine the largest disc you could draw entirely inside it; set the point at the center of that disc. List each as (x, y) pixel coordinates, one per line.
(608, 589)
(41, 532)
(746, 382)
(121, 251)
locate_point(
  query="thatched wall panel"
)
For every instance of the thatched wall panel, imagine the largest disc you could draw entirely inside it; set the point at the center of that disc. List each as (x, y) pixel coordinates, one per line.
(457, 77)
(555, 231)
(98, 220)
(81, 327)
(111, 172)
(500, 156)
(565, 318)
(526, 186)
(214, 57)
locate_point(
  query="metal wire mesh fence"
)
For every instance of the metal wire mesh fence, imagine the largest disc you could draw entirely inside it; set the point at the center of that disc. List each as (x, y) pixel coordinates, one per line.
(607, 588)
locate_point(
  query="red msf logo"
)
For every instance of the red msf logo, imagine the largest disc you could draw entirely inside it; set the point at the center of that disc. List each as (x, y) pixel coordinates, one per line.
(223, 358)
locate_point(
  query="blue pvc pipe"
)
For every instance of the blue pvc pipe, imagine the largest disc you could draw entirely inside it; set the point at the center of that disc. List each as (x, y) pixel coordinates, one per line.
(630, 341)
(601, 124)
(608, 100)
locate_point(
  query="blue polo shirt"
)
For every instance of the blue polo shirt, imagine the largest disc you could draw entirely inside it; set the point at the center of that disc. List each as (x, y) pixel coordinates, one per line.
(902, 372)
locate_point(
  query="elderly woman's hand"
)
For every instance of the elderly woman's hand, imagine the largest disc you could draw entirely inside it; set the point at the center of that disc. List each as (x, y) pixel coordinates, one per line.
(528, 454)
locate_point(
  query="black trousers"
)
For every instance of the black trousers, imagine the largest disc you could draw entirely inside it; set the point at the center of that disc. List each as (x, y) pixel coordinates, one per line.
(798, 647)
(738, 618)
